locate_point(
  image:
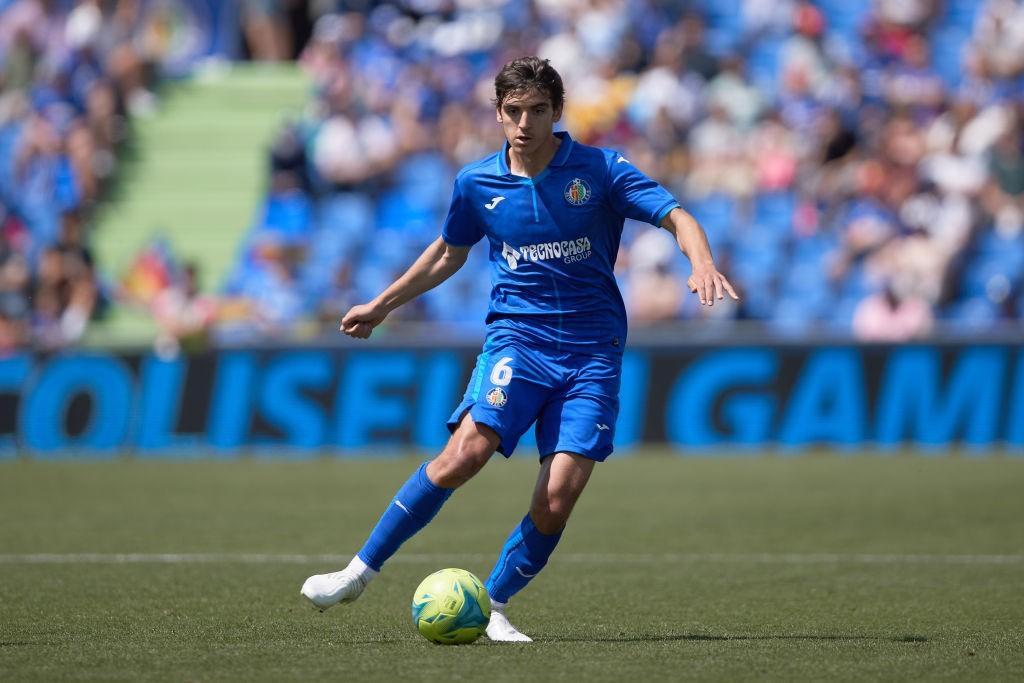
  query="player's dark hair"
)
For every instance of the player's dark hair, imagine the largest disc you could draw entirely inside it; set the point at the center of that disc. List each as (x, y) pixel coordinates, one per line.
(525, 74)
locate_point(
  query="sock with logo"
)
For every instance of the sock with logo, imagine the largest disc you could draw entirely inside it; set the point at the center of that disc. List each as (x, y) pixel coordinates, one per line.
(525, 553)
(414, 506)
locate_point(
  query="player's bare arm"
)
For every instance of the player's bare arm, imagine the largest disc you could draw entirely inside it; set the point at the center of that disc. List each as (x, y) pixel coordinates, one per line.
(705, 280)
(437, 263)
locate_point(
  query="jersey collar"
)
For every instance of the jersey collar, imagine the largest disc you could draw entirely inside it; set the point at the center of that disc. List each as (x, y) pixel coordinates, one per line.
(561, 155)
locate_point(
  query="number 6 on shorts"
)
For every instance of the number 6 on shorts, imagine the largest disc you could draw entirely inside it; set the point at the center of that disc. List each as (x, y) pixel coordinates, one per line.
(501, 374)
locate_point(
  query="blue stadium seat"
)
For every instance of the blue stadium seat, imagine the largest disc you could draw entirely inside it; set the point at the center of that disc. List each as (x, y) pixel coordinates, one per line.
(763, 65)
(346, 217)
(761, 243)
(973, 311)
(750, 271)
(961, 13)
(753, 268)
(1007, 252)
(724, 25)
(757, 296)
(371, 278)
(399, 212)
(858, 284)
(715, 213)
(841, 312)
(9, 136)
(979, 274)
(947, 46)
(813, 248)
(775, 209)
(425, 181)
(843, 17)
(809, 278)
(465, 297)
(792, 316)
(288, 216)
(343, 225)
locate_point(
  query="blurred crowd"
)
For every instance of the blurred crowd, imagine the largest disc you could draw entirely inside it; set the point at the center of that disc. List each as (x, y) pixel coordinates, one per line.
(857, 165)
(67, 78)
(73, 73)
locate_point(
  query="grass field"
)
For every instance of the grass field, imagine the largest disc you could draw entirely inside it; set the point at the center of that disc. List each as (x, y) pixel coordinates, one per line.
(817, 567)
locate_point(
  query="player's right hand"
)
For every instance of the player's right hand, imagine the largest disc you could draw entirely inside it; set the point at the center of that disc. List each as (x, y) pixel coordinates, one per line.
(360, 320)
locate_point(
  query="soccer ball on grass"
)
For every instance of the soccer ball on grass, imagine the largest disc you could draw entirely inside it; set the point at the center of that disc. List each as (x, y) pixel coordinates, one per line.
(451, 607)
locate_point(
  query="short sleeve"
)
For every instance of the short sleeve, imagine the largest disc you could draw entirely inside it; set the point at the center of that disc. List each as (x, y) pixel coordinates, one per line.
(461, 228)
(633, 195)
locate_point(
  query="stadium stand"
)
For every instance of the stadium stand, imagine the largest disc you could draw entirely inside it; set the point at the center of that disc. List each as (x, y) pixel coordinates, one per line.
(858, 166)
(187, 192)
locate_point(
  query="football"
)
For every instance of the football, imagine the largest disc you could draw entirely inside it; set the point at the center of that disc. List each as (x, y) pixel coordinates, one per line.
(451, 607)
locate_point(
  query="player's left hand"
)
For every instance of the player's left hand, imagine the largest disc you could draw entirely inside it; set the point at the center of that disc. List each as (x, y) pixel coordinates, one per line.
(709, 284)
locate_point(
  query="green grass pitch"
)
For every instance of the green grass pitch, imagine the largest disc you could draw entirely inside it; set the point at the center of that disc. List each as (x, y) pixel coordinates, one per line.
(813, 567)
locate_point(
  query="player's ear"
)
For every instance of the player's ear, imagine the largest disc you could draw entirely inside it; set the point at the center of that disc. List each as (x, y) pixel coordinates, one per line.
(557, 115)
(497, 113)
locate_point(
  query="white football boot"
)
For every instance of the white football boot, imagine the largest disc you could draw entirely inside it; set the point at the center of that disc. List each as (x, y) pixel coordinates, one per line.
(327, 590)
(500, 630)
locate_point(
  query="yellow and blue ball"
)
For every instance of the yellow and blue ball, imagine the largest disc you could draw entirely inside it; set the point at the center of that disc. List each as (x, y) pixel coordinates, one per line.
(451, 607)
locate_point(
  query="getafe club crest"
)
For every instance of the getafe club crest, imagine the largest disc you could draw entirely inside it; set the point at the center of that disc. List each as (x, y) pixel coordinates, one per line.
(577, 192)
(497, 397)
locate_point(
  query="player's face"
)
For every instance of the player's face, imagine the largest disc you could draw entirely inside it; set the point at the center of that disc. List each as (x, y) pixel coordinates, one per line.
(528, 119)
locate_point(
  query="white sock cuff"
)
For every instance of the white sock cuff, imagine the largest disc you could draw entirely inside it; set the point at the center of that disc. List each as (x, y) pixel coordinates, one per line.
(498, 606)
(362, 569)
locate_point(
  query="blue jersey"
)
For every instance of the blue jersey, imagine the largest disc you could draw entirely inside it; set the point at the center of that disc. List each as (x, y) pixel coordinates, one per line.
(553, 240)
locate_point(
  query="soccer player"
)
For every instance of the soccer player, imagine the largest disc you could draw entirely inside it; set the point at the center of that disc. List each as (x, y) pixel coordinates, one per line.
(551, 210)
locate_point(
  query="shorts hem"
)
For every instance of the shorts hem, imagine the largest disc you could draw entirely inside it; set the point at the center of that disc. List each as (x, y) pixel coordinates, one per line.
(595, 454)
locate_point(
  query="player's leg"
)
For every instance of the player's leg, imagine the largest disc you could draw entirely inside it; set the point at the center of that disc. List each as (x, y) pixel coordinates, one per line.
(500, 404)
(578, 426)
(421, 497)
(415, 504)
(562, 478)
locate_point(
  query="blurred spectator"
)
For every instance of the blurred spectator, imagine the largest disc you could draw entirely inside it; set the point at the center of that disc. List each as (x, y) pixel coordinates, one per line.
(911, 83)
(266, 31)
(884, 317)
(775, 153)
(904, 15)
(999, 37)
(1003, 196)
(720, 161)
(761, 17)
(264, 296)
(65, 295)
(696, 56)
(15, 307)
(183, 314)
(655, 291)
(804, 63)
(734, 94)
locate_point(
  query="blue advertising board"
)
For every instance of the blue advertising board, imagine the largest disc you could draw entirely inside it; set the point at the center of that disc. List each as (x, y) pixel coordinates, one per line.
(697, 399)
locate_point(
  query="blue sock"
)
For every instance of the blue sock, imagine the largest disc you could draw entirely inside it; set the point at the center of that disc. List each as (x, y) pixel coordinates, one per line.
(414, 506)
(525, 553)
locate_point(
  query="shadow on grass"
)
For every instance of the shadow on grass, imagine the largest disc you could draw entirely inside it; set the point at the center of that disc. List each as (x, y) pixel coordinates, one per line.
(666, 637)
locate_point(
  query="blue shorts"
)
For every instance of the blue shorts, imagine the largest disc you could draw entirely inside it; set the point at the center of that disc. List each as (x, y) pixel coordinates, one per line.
(573, 397)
